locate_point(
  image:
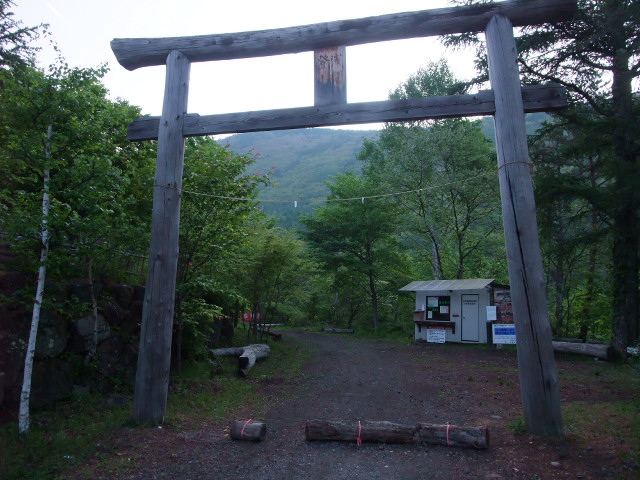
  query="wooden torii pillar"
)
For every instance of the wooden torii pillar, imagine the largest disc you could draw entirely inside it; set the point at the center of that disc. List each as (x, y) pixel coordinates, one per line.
(154, 355)
(508, 102)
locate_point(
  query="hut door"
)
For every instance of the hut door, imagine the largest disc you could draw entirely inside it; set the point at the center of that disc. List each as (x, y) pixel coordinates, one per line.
(470, 324)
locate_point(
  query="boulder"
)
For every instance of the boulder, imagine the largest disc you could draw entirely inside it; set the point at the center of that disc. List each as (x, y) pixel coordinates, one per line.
(108, 354)
(52, 380)
(85, 329)
(82, 291)
(113, 312)
(12, 351)
(122, 294)
(52, 337)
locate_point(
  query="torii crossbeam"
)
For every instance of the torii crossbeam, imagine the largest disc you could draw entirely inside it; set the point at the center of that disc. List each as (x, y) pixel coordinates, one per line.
(507, 101)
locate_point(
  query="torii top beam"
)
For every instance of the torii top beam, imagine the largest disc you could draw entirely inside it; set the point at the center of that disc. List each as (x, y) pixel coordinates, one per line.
(133, 53)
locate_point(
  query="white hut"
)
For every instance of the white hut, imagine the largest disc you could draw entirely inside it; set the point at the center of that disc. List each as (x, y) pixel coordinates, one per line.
(456, 310)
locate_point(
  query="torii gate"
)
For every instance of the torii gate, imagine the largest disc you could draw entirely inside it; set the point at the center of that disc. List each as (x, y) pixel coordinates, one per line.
(507, 102)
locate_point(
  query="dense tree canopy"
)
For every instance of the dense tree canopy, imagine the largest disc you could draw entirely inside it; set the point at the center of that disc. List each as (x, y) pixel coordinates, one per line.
(219, 197)
(15, 39)
(596, 56)
(446, 170)
(100, 181)
(356, 234)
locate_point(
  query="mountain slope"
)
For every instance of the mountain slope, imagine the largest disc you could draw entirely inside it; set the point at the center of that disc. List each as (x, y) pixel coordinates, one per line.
(301, 162)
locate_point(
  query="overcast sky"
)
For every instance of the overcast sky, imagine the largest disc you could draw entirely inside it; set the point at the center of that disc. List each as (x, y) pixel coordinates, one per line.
(83, 29)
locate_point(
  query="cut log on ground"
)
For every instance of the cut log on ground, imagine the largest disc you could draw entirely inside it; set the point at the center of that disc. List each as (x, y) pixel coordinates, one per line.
(454, 436)
(248, 430)
(603, 352)
(247, 355)
(385, 432)
(337, 330)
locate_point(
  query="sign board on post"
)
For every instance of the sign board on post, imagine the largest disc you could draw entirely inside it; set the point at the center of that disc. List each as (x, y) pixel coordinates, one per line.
(504, 333)
(491, 313)
(436, 335)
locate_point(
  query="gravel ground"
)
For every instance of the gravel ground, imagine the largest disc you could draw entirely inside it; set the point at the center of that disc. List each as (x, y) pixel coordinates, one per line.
(351, 380)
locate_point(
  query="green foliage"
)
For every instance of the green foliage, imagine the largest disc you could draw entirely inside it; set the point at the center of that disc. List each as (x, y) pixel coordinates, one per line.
(356, 235)
(60, 439)
(517, 426)
(299, 163)
(15, 39)
(572, 193)
(100, 182)
(446, 171)
(436, 79)
(596, 56)
(219, 198)
(272, 272)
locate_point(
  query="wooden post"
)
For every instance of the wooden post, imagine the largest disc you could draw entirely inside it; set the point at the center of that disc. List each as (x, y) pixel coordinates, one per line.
(538, 376)
(330, 71)
(154, 357)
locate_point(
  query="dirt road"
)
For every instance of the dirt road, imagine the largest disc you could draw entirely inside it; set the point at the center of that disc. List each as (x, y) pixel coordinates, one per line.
(349, 379)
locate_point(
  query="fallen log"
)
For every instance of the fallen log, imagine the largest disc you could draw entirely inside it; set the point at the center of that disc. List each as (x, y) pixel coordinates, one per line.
(247, 355)
(248, 430)
(454, 436)
(337, 330)
(603, 352)
(385, 432)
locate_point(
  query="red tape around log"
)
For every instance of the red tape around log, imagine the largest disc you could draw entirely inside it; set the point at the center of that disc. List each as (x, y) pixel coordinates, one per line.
(359, 440)
(245, 426)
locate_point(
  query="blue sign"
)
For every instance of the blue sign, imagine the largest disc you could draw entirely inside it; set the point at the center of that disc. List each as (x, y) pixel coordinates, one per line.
(504, 333)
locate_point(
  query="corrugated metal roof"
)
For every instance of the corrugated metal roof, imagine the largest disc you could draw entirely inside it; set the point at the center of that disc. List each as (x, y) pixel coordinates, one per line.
(436, 285)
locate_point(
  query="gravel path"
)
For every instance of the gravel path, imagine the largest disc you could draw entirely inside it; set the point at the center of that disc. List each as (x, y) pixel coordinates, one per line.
(351, 380)
(346, 379)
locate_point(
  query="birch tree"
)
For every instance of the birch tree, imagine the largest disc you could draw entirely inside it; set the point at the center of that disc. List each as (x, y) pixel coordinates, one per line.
(88, 179)
(24, 420)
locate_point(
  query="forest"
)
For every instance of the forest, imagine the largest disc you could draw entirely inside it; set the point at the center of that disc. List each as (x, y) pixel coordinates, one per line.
(413, 201)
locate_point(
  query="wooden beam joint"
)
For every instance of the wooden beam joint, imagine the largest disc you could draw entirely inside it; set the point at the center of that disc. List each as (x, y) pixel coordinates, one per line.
(330, 76)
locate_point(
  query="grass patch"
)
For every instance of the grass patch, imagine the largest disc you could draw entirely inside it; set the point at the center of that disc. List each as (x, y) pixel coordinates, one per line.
(615, 420)
(517, 426)
(505, 383)
(60, 438)
(73, 432)
(199, 393)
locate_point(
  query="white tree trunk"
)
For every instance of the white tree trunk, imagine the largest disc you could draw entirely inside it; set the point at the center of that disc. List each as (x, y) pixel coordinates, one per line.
(23, 422)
